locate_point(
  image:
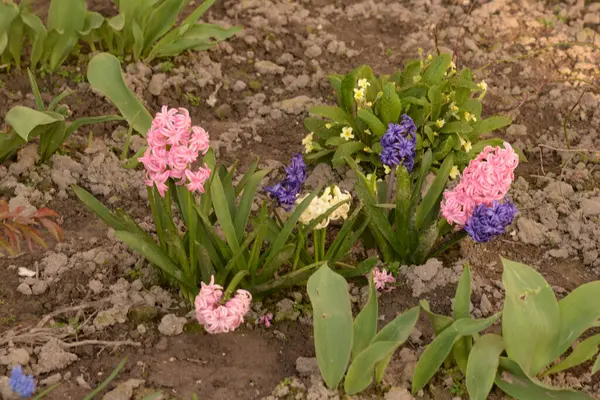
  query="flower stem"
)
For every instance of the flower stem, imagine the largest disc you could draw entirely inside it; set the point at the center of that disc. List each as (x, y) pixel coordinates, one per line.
(234, 283)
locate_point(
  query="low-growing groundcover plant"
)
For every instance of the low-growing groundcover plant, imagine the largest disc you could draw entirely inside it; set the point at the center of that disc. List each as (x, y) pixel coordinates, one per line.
(427, 106)
(537, 331)
(48, 123)
(20, 224)
(339, 338)
(141, 29)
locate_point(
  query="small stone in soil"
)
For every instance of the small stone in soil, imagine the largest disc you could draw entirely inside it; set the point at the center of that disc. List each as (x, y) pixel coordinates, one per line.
(24, 288)
(171, 325)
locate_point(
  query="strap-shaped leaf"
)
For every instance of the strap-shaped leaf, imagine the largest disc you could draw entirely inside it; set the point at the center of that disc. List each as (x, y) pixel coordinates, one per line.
(104, 75)
(438, 350)
(584, 351)
(514, 382)
(482, 366)
(332, 318)
(435, 192)
(365, 323)
(530, 306)
(333, 113)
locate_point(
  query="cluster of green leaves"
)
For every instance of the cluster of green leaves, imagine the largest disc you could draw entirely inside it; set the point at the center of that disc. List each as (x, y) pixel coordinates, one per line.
(48, 123)
(537, 330)
(406, 230)
(17, 225)
(440, 100)
(52, 43)
(338, 338)
(251, 251)
(146, 29)
(142, 29)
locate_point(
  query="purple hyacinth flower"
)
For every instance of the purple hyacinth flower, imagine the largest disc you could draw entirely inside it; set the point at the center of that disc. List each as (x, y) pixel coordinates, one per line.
(399, 144)
(286, 191)
(21, 383)
(488, 222)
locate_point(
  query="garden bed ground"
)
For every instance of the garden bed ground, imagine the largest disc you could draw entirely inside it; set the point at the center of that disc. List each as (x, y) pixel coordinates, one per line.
(264, 80)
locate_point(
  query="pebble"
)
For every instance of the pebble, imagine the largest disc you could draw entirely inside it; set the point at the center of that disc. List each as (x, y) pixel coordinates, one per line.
(24, 288)
(269, 68)
(171, 325)
(40, 287)
(313, 51)
(239, 86)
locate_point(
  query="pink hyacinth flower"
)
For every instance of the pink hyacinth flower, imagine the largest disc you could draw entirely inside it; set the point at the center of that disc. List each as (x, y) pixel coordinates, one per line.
(173, 147)
(486, 179)
(216, 317)
(381, 278)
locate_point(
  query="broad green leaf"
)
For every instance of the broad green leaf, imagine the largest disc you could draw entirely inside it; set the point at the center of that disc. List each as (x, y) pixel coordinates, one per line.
(346, 150)
(462, 307)
(403, 194)
(412, 69)
(317, 126)
(93, 21)
(483, 366)
(104, 75)
(438, 350)
(427, 238)
(398, 330)
(161, 20)
(138, 40)
(66, 16)
(577, 314)
(390, 104)
(584, 351)
(435, 97)
(16, 36)
(462, 299)
(29, 123)
(443, 150)
(375, 125)
(460, 127)
(360, 373)
(62, 48)
(332, 319)
(434, 192)
(333, 113)
(530, 306)
(473, 106)
(514, 382)
(365, 323)
(489, 125)
(9, 144)
(196, 37)
(434, 72)
(439, 321)
(8, 12)
(3, 41)
(596, 366)
(347, 92)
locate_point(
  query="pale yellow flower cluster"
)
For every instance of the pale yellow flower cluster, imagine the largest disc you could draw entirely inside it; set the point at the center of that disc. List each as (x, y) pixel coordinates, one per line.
(360, 93)
(331, 196)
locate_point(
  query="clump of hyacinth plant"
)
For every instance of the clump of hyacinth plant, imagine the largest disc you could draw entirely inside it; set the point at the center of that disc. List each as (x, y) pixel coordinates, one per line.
(314, 214)
(221, 253)
(404, 215)
(476, 206)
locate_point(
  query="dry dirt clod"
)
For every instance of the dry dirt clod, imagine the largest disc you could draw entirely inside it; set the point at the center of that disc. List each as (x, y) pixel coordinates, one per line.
(171, 325)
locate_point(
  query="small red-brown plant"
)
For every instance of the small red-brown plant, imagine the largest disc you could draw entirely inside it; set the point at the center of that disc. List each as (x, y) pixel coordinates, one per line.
(17, 225)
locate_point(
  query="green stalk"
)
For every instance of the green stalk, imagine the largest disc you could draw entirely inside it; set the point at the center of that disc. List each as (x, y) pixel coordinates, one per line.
(316, 234)
(322, 236)
(191, 217)
(234, 283)
(157, 220)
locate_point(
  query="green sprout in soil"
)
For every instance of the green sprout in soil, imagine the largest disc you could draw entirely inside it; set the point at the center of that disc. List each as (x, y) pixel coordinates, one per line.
(193, 99)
